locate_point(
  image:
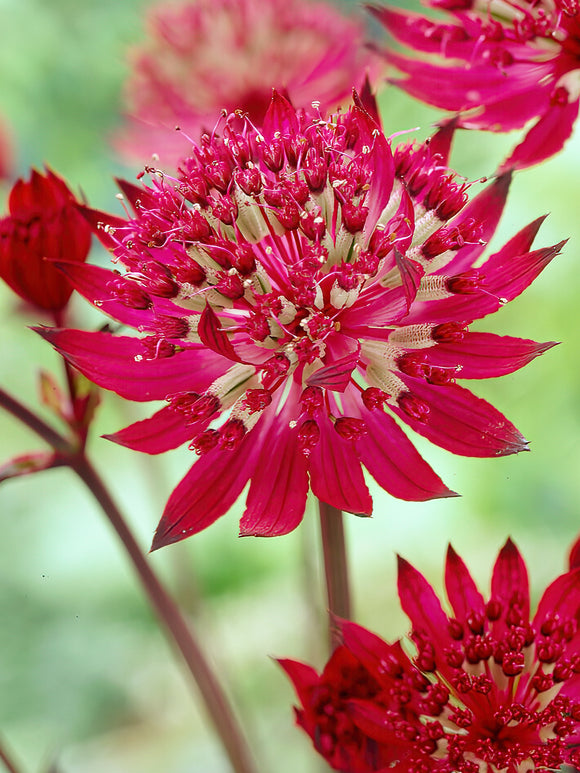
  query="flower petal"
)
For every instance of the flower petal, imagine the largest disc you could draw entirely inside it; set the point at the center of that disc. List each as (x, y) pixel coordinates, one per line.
(485, 355)
(213, 336)
(162, 432)
(510, 577)
(460, 422)
(421, 605)
(392, 459)
(277, 496)
(335, 473)
(208, 491)
(93, 282)
(462, 592)
(560, 599)
(113, 362)
(545, 138)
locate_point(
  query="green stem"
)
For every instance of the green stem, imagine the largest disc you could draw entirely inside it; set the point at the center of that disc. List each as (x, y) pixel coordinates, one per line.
(167, 611)
(335, 568)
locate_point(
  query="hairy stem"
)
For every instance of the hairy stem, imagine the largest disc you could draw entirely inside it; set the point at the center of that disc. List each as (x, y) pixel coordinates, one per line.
(164, 606)
(335, 567)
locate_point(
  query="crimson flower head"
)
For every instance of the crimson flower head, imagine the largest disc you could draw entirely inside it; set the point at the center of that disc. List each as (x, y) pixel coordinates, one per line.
(298, 287)
(43, 225)
(487, 689)
(500, 64)
(203, 56)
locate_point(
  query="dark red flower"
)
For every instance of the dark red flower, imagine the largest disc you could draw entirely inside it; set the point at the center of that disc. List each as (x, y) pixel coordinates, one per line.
(486, 689)
(43, 225)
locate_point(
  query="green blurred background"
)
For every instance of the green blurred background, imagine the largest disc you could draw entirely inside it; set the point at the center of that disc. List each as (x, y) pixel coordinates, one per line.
(86, 678)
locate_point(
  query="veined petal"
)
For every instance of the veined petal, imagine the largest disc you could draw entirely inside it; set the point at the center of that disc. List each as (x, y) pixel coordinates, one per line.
(116, 363)
(162, 432)
(335, 473)
(485, 355)
(392, 459)
(510, 577)
(93, 282)
(213, 336)
(486, 209)
(460, 422)
(278, 489)
(462, 592)
(208, 491)
(560, 598)
(545, 138)
(421, 605)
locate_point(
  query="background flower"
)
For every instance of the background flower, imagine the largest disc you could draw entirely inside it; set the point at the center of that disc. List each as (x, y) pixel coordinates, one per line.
(500, 65)
(487, 687)
(205, 56)
(44, 225)
(294, 282)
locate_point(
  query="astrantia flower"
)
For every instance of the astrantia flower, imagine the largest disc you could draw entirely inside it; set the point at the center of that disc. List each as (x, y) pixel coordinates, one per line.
(486, 688)
(501, 64)
(43, 225)
(203, 56)
(297, 286)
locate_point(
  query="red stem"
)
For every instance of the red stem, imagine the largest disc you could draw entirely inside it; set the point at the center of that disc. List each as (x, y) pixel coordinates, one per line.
(335, 568)
(167, 611)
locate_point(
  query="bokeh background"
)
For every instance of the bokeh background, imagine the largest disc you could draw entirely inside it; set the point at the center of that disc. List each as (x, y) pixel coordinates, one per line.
(87, 681)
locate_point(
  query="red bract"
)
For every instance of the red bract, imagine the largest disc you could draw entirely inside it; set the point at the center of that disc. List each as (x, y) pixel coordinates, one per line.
(298, 286)
(501, 64)
(203, 56)
(487, 689)
(43, 225)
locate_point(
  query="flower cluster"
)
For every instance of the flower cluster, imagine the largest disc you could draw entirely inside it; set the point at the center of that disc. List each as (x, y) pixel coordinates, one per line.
(44, 225)
(203, 56)
(487, 689)
(501, 64)
(298, 285)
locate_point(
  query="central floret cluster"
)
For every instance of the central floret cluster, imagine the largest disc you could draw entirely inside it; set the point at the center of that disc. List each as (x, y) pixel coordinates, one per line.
(486, 689)
(293, 282)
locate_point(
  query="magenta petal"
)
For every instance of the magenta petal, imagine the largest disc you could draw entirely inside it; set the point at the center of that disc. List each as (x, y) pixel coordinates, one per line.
(486, 208)
(277, 496)
(462, 592)
(376, 655)
(545, 138)
(93, 282)
(335, 473)
(485, 355)
(213, 336)
(574, 561)
(208, 490)
(393, 460)
(138, 196)
(113, 362)
(460, 422)
(103, 225)
(411, 273)
(303, 677)
(342, 353)
(162, 432)
(440, 142)
(510, 578)
(420, 604)
(560, 599)
(280, 118)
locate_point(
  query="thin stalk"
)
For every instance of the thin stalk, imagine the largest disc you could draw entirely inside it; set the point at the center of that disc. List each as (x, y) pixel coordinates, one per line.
(7, 760)
(335, 568)
(166, 609)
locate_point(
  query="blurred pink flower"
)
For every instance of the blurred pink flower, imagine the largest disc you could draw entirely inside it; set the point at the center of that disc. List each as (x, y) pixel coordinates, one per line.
(203, 56)
(486, 689)
(501, 64)
(294, 282)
